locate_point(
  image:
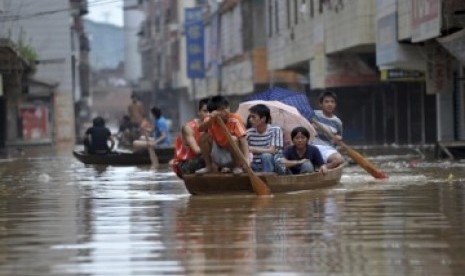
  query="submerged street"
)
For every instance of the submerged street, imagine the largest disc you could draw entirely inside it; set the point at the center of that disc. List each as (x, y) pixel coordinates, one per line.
(61, 217)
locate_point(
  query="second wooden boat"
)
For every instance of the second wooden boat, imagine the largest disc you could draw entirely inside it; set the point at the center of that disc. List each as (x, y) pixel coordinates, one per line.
(122, 158)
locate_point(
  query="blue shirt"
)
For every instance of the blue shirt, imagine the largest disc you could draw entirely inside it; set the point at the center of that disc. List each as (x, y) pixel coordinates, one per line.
(311, 153)
(160, 126)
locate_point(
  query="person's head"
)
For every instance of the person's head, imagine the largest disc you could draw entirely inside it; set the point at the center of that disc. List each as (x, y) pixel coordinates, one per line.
(219, 103)
(126, 118)
(98, 122)
(203, 110)
(328, 102)
(156, 112)
(300, 137)
(134, 97)
(259, 115)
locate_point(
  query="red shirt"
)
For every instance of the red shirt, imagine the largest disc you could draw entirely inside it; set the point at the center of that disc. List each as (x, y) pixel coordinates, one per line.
(183, 152)
(235, 126)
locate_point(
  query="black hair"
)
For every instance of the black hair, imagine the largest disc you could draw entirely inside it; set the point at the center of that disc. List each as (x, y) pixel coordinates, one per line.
(203, 101)
(134, 96)
(98, 121)
(325, 94)
(156, 112)
(247, 123)
(301, 130)
(262, 111)
(217, 102)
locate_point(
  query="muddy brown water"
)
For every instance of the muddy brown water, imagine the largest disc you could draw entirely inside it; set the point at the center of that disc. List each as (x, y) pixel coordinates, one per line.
(60, 217)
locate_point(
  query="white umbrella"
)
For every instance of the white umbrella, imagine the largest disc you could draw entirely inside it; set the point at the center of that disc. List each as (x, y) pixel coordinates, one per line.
(283, 115)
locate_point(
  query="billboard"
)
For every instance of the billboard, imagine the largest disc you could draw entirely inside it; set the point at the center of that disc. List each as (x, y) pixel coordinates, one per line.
(195, 47)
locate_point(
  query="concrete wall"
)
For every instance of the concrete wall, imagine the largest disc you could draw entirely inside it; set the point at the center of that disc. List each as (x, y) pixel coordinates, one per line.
(50, 35)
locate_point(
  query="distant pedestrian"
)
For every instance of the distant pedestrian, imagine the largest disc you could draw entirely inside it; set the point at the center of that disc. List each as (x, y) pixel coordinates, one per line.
(136, 110)
(161, 128)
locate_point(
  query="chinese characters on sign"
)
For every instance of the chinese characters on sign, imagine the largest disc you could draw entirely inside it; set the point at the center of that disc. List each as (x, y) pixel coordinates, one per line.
(195, 43)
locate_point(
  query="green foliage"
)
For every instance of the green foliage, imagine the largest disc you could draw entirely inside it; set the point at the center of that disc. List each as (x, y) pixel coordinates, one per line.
(26, 50)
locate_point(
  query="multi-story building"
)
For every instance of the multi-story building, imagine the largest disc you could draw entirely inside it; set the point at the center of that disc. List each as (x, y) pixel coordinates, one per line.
(50, 35)
(162, 49)
(133, 18)
(379, 58)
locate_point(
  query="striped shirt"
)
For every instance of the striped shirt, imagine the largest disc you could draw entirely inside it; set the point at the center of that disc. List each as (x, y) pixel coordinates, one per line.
(333, 124)
(273, 136)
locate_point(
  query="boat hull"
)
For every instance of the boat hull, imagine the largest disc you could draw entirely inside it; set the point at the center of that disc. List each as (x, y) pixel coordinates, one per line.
(230, 184)
(124, 158)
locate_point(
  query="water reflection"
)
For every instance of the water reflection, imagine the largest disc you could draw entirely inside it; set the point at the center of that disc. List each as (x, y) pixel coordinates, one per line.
(60, 217)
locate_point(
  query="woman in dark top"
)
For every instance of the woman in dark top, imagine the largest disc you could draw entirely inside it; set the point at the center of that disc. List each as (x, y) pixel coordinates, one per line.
(302, 157)
(97, 136)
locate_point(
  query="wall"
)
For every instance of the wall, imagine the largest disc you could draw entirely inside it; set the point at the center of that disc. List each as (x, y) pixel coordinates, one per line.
(50, 36)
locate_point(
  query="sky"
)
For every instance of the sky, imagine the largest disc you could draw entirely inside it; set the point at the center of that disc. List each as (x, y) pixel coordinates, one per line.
(108, 11)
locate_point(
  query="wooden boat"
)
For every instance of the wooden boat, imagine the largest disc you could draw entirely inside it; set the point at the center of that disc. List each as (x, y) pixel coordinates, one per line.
(122, 158)
(218, 183)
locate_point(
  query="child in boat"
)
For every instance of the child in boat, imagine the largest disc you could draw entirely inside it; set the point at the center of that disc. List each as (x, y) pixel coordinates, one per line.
(214, 145)
(333, 124)
(97, 136)
(265, 141)
(302, 157)
(187, 155)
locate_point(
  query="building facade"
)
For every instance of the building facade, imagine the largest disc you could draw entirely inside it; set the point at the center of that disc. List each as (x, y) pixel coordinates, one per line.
(51, 35)
(394, 81)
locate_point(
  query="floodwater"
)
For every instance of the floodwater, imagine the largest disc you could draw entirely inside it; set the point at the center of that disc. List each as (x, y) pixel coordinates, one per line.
(60, 217)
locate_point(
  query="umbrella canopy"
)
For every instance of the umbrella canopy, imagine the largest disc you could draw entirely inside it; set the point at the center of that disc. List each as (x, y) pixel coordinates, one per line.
(283, 115)
(295, 99)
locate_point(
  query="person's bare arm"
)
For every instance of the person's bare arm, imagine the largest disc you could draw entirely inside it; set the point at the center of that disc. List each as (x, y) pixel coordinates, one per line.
(159, 139)
(244, 148)
(204, 126)
(292, 163)
(271, 149)
(189, 139)
(112, 142)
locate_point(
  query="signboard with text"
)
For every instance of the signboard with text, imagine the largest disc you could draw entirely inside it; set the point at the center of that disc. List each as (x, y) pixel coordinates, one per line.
(426, 19)
(195, 47)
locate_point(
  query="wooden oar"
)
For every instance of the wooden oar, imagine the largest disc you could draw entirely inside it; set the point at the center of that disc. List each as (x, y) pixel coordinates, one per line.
(357, 157)
(258, 185)
(152, 154)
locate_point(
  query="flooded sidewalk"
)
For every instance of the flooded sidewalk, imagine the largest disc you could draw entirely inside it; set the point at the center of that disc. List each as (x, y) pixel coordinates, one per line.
(61, 217)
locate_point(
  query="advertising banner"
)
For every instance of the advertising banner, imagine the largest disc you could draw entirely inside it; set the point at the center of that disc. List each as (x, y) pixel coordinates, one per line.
(426, 19)
(195, 47)
(35, 122)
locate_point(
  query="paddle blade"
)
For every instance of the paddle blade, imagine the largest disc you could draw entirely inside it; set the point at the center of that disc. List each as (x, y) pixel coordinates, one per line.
(258, 185)
(365, 163)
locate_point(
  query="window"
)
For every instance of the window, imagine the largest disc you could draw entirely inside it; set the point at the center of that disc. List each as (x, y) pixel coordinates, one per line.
(270, 19)
(288, 10)
(296, 12)
(276, 14)
(312, 9)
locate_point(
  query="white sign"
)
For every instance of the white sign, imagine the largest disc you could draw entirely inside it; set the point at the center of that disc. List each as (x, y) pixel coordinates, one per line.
(426, 19)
